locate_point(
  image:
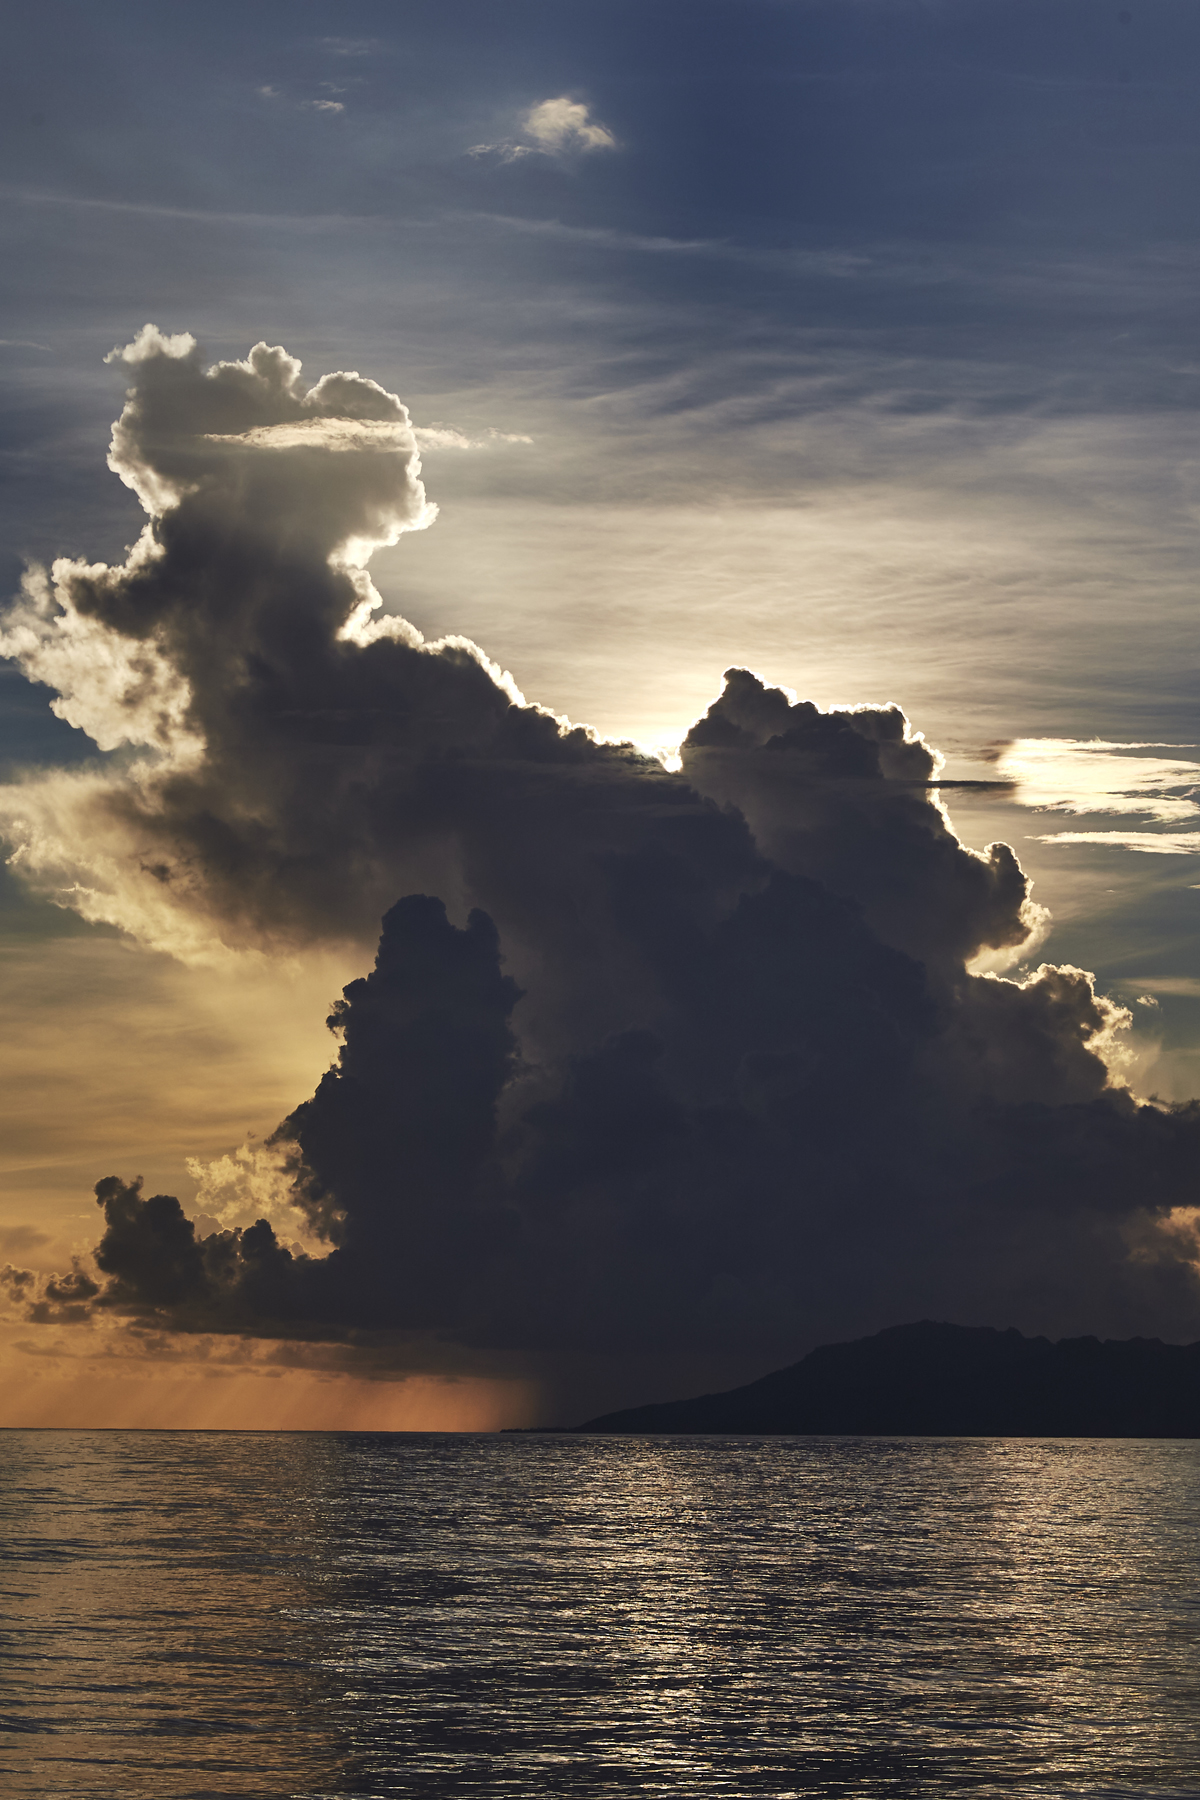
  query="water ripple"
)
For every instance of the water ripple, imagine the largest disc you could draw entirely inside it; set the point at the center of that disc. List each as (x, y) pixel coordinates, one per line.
(318, 1616)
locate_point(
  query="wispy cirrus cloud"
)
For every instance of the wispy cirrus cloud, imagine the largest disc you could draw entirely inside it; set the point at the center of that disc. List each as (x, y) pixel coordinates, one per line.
(1155, 843)
(1084, 776)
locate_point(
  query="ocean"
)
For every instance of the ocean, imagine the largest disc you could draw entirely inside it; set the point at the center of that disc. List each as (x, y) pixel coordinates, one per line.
(196, 1614)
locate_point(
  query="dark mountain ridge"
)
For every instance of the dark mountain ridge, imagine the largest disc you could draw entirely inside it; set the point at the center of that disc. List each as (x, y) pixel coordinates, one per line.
(938, 1380)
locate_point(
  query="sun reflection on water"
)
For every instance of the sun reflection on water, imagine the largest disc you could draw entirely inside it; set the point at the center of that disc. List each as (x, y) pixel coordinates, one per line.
(555, 1616)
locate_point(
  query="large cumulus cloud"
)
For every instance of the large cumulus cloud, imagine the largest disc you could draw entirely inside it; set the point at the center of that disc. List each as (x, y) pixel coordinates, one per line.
(646, 1059)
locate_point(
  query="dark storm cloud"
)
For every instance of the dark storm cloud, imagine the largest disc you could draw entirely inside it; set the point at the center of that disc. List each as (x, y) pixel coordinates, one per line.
(805, 1132)
(54, 1300)
(646, 1060)
(808, 784)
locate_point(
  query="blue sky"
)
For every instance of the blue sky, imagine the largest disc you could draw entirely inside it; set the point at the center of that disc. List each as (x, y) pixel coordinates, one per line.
(852, 341)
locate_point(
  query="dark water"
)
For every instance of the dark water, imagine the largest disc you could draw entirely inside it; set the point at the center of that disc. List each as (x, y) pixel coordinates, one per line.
(189, 1615)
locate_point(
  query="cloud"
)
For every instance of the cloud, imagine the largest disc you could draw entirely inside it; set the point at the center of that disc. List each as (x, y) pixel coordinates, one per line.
(18, 1284)
(253, 1182)
(557, 127)
(1152, 843)
(149, 655)
(271, 92)
(564, 124)
(19, 1240)
(805, 1111)
(1070, 775)
(647, 1061)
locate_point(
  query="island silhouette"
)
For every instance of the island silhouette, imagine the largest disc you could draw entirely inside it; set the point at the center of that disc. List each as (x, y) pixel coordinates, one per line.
(932, 1379)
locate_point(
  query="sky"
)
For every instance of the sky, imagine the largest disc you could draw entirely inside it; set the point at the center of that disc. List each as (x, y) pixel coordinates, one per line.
(679, 1023)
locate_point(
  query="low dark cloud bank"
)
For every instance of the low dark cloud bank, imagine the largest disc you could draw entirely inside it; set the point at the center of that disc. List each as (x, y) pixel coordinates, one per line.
(648, 1062)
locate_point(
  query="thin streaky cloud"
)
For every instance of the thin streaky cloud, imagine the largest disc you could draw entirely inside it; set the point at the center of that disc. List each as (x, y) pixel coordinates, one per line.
(1154, 843)
(603, 237)
(147, 209)
(1183, 986)
(1069, 775)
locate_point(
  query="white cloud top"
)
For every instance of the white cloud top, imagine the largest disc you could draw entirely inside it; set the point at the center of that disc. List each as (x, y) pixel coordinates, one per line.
(558, 127)
(563, 124)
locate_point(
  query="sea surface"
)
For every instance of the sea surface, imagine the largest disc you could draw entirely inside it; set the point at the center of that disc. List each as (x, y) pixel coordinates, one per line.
(193, 1614)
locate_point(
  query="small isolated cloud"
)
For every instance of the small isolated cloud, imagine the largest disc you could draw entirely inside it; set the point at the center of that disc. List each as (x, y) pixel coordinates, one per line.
(1145, 1000)
(557, 127)
(268, 92)
(564, 124)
